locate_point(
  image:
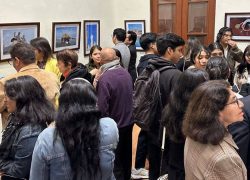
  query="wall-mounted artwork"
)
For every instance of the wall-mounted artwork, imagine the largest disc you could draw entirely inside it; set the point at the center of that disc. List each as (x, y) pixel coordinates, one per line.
(11, 33)
(91, 35)
(138, 26)
(66, 35)
(240, 24)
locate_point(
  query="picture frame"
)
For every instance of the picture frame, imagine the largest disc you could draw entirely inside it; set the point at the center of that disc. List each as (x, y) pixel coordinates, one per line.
(240, 24)
(11, 33)
(139, 27)
(66, 35)
(91, 35)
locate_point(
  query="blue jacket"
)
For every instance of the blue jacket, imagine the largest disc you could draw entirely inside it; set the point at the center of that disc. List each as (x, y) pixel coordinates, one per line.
(51, 161)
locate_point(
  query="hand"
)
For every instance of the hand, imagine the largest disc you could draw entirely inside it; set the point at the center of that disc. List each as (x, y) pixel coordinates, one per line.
(94, 71)
(232, 43)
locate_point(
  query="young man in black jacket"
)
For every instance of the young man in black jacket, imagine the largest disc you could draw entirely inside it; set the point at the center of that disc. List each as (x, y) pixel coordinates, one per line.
(170, 47)
(148, 44)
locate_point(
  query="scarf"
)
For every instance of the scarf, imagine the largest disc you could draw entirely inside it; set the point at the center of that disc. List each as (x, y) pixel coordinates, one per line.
(105, 67)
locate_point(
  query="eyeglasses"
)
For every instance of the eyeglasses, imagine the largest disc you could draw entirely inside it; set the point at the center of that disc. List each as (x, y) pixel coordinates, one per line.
(236, 100)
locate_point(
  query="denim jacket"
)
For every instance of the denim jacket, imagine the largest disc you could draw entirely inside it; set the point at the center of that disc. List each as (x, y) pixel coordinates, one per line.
(17, 160)
(50, 159)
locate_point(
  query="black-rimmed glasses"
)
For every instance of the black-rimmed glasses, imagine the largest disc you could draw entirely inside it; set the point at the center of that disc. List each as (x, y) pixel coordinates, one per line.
(236, 100)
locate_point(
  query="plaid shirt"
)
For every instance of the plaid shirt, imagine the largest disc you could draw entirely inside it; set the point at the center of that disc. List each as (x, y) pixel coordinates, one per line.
(213, 162)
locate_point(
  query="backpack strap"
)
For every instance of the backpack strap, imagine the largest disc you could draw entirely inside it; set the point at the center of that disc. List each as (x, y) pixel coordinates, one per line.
(165, 68)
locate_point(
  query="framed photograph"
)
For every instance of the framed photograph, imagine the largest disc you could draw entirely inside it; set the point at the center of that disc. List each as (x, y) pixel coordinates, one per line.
(91, 35)
(138, 26)
(66, 35)
(240, 24)
(11, 33)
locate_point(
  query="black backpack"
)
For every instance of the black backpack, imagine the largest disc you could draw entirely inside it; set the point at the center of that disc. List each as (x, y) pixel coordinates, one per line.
(147, 96)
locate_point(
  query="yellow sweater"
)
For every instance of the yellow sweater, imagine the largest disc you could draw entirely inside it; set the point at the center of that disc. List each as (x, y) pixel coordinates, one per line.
(51, 66)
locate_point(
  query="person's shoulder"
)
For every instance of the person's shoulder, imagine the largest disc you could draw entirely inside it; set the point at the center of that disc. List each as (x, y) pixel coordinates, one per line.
(107, 122)
(108, 132)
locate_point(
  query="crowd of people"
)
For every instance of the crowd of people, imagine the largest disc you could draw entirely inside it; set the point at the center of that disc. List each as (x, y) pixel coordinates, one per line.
(65, 120)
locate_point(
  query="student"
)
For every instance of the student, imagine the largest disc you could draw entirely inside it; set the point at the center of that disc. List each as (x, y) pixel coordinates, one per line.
(30, 112)
(44, 55)
(231, 51)
(82, 144)
(242, 76)
(199, 57)
(173, 115)
(94, 59)
(170, 48)
(130, 40)
(216, 49)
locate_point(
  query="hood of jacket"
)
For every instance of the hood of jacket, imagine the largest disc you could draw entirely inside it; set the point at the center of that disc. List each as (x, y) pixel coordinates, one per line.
(159, 62)
(80, 71)
(146, 57)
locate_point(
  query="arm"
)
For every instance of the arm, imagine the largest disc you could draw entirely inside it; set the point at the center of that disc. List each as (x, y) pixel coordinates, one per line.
(39, 169)
(103, 95)
(19, 166)
(235, 52)
(228, 168)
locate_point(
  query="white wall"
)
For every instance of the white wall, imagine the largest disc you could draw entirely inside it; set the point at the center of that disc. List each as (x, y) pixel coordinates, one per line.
(111, 14)
(230, 6)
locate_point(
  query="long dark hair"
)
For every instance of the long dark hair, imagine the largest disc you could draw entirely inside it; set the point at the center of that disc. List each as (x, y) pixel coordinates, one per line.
(197, 51)
(42, 45)
(32, 105)
(244, 64)
(173, 112)
(77, 123)
(201, 122)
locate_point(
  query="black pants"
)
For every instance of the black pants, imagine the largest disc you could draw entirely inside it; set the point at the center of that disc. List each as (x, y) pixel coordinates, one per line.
(141, 150)
(123, 154)
(154, 158)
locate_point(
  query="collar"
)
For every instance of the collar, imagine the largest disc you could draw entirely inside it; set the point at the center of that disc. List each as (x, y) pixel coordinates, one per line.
(229, 140)
(28, 67)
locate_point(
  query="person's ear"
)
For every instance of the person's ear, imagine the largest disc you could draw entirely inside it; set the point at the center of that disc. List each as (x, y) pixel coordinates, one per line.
(17, 61)
(169, 50)
(70, 65)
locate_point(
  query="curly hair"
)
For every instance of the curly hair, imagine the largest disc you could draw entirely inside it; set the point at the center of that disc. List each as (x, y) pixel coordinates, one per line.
(32, 105)
(77, 124)
(201, 121)
(173, 112)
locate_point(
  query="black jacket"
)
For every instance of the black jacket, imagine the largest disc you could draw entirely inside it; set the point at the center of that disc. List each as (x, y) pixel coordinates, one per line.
(241, 134)
(17, 147)
(144, 62)
(132, 62)
(80, 71)
(167, 80)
